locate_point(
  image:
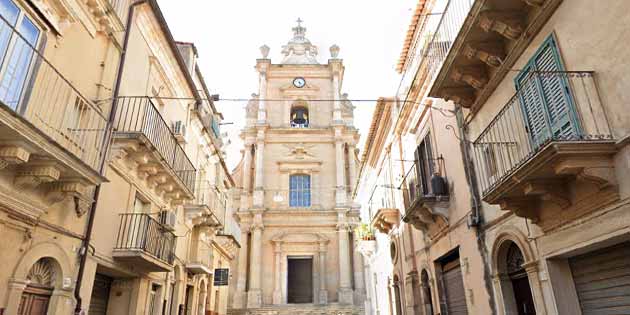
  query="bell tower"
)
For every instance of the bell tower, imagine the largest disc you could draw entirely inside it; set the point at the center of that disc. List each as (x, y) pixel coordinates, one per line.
(299, 164)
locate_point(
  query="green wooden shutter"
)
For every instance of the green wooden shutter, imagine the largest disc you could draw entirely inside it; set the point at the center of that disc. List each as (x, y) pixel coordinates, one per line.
(545, 97)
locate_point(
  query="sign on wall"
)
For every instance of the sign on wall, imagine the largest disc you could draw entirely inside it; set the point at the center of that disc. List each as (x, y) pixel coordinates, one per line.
(221, 276)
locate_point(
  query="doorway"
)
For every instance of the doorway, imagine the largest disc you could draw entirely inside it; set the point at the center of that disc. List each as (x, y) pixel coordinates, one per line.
(35, 300)
(520, 281)
(300, 280)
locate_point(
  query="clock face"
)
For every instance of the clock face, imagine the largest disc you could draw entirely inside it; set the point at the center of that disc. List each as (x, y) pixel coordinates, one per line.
(299, 82)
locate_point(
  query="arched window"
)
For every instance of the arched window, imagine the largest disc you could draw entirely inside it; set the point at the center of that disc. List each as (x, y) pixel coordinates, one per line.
(300, 191)
(299, 116)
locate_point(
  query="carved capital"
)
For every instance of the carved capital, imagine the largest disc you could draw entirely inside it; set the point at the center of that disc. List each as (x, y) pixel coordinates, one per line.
(490, 53)
(522, 207)
(509, 24)
(13, 154)
(31, 176)
(463, 96)
(535, 3)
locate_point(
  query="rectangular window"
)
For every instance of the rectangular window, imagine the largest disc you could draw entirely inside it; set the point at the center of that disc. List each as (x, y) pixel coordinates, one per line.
(545, 97)
(424, 165)
(300, 191)
(18, 39)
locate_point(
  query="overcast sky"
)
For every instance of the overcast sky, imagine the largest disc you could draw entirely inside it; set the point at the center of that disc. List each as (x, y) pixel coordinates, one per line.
(228, 33)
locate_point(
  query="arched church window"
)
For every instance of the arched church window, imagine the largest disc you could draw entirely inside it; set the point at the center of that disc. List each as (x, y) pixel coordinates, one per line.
(300, 191)
(299, 117)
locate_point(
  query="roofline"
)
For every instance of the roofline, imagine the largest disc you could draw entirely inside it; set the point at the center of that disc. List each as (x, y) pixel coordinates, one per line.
(410, 35)
(173, 45)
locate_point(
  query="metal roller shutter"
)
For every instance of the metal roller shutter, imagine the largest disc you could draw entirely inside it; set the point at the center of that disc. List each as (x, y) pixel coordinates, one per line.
(100, 295)
(454, 287)
(602, 280)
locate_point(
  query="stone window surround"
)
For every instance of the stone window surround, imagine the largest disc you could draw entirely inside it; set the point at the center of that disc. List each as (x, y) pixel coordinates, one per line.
(311, 168)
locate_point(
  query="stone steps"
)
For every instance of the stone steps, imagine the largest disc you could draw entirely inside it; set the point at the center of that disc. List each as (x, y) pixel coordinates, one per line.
(300, 309)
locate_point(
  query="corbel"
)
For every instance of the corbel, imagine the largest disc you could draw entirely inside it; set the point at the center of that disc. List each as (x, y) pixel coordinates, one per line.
(508, 24)
(474, 76)
(464, 96)
(490, 53)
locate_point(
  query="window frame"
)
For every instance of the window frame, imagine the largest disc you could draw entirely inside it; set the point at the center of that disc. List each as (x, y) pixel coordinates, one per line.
(300, 197)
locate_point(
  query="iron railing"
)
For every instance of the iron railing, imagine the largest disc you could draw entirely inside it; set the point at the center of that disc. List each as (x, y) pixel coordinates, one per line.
(416, 187)
(202, 255)
(231, 228)
(519, 131)
(434, 41)
(139, 231)
(299, 125)
(139, 116)
(34, 89)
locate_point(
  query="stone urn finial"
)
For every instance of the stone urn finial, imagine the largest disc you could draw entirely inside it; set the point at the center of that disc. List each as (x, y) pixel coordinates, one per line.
(264, 50)
(334, 51)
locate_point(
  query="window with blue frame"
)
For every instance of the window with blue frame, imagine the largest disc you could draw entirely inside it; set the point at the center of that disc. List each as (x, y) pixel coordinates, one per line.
(545, 97)
(215, 128)
(18, 40)
(300, 191)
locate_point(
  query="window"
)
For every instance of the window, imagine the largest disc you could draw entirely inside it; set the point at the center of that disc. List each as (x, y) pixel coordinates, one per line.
(141, 206)
(300, 191)
(299, 117)
(215, 128)
(18, 38)
(545, 96)
(424, 165)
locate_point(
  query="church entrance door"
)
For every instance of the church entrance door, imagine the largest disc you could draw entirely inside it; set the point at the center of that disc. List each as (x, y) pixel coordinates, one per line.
(300, 280)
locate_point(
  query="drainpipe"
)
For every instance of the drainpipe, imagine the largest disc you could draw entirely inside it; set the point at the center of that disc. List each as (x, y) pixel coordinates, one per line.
(106, 145)
(474, 220)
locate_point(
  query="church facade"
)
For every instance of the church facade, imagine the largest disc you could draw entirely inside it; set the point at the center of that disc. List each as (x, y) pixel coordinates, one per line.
(294, 184)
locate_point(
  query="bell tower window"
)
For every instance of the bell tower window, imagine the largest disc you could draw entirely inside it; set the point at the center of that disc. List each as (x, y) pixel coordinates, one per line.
(299, 116)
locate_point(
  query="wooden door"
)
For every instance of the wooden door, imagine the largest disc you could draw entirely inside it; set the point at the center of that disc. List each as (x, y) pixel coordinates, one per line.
(454, 288)
(300, 280)
(35, 301)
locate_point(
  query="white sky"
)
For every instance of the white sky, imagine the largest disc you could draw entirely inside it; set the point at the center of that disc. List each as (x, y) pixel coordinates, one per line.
(228, 33)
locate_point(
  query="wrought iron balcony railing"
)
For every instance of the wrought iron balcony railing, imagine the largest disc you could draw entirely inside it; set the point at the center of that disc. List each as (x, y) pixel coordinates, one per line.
(534, 118)
(141, 232)
(32, 88)
(438, 33)
(139, 116)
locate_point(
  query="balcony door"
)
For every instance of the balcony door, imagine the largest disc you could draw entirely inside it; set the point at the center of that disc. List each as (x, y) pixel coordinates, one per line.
(18, 39)
(545, 97)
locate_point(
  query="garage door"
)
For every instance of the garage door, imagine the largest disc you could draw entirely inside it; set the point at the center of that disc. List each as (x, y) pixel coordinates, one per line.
(602, 280)
(100, 295)
(454, 287)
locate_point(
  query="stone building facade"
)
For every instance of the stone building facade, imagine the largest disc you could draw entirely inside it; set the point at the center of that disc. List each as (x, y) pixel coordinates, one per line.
(528, 126)
(295, 177)
(114, 196)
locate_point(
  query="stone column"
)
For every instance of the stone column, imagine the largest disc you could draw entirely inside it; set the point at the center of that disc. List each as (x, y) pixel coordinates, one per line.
(323, 291)
(534, 283)
(359, 284)
(336, 98)
(277, 284)
(247, 177)
(241, 280)
(254, 295)
(368, 288)
(262, 104)
(259, 193)
(352, 166)
(341, 183)
(345, 284)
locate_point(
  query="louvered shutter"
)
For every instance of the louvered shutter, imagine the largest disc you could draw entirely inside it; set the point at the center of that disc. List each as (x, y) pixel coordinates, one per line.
(555, 91)
(545, 97)
(454, 289)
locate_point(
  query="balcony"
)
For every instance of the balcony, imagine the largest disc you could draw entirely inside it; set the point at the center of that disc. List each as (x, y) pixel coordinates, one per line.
(527, 156)
(426, 205)
(144, 243)
(51, 135)
(493, 36)
(145, 142)
(229, 237)
(205, 205)
(200, 260)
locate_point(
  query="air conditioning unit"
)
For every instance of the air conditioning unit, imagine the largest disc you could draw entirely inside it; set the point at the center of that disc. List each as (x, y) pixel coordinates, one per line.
(179, 130)
(168, 219)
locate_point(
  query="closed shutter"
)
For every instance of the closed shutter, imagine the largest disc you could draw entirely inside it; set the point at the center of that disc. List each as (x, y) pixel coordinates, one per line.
(454, 287)
(100, 295)
(602, 280)
(545, 96)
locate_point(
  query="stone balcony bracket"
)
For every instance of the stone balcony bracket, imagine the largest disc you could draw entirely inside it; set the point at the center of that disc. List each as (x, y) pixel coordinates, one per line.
(549, 176)
(13, 155)
(493, 36)
(427, 210)
(386, 219)
(77, 190)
